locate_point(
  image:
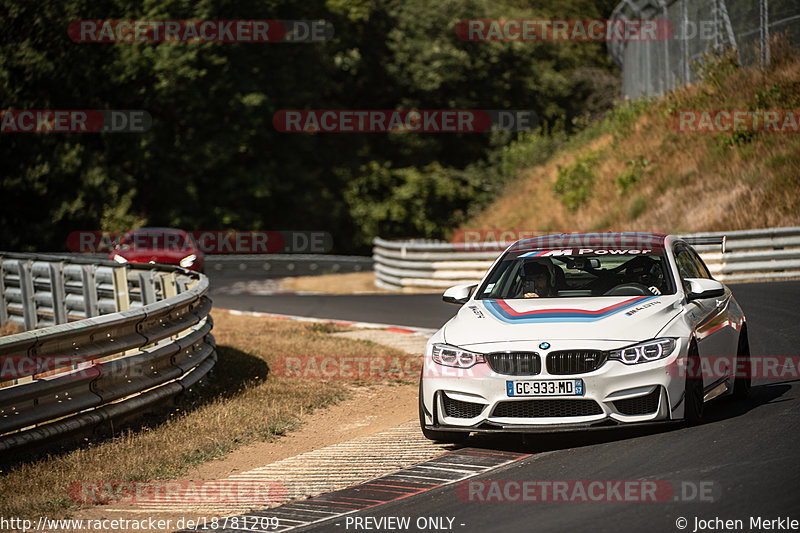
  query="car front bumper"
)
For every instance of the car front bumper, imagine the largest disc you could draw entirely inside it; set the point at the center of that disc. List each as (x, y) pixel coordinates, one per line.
(614, 394)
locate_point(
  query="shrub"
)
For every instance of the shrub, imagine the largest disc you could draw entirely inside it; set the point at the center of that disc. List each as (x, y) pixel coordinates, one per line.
(574, 183)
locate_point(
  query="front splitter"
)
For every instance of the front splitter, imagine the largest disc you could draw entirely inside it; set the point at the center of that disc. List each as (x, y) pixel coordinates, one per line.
(493, 427)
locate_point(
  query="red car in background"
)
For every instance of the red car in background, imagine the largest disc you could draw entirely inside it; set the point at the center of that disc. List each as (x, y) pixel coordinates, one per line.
(158, 245)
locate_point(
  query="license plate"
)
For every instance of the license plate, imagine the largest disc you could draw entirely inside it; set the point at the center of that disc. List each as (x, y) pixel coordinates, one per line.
(550, 387)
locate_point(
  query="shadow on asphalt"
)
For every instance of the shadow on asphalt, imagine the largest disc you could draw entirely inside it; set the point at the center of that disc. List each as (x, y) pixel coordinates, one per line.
(715, 411)
(728, 408)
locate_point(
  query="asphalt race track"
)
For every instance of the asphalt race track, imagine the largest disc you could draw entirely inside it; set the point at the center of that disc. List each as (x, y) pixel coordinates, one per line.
(742, 462)
(417, 310)
(772, 309)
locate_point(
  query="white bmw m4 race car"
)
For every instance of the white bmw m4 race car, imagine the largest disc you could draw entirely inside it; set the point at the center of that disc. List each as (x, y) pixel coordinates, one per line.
(576, 331)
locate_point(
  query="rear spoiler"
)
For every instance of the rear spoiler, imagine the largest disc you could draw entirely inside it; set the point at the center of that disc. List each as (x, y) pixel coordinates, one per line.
(707, 241)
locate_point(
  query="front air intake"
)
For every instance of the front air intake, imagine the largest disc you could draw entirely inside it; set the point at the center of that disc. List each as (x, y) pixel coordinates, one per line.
(641, 405)
(547, 408)
(458, 409)
(515, 363)
(568, 362)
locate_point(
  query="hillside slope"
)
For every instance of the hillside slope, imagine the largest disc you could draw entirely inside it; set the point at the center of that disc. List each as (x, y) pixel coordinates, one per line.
(635, 170)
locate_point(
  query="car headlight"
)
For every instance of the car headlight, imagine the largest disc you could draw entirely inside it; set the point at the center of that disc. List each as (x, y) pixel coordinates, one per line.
(447, 355)
(188, 261)
(119, 259)
(644, 352)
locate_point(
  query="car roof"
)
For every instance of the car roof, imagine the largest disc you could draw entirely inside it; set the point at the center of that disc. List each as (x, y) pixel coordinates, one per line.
(630, 239)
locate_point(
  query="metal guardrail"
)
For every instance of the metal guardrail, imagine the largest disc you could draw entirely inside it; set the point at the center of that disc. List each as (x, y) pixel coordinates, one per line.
(249, 266)
(104, 341)
(278, 265)
(762, 254)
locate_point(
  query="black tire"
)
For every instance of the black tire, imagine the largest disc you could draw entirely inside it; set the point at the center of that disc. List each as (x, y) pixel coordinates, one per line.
(693, 391)
(452, 437)
(741, 384)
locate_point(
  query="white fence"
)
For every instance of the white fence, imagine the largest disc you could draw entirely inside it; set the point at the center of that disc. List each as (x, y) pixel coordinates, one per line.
(762, 254)
(693, 28)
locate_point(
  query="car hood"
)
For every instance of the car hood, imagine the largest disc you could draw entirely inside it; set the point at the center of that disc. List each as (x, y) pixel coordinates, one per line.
(623, 318)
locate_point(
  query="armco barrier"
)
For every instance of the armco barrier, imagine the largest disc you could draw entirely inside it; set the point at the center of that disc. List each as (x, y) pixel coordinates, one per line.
(104, 341)
(280, 265)
(762, 254)
(260, 266)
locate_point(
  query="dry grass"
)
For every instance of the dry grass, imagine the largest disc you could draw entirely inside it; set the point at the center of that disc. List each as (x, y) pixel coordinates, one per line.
(350, 283)
(244, 403)
(10, 328)
(691, 181)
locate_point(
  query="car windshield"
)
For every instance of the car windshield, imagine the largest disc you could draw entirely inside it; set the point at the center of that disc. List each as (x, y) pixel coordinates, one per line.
(154, 240)
(600, 272)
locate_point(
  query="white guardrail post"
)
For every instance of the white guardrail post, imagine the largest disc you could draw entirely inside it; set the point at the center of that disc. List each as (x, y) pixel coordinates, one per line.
(750, 255)
(103, 341)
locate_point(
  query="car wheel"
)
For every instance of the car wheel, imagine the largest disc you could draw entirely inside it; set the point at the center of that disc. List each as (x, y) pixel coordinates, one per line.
(452, 437)
(693, 392)
(741, 384)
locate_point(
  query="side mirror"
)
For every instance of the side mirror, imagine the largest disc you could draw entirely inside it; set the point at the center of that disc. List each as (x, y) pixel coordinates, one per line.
(701, 288)
(458, 294)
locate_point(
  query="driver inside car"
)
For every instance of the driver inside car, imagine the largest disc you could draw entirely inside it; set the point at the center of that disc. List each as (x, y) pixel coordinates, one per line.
(645, 271)
(537, 281)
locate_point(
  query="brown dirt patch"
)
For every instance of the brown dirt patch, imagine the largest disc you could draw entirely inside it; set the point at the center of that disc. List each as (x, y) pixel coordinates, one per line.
(390, 405)
(350, 283)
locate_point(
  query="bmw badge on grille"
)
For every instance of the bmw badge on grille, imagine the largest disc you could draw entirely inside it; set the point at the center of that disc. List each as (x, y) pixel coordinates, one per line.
(544, 345)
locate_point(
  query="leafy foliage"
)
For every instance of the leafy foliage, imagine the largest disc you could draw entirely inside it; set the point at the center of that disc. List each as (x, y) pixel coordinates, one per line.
(635, 171)
(574, 182)
(212, 159)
